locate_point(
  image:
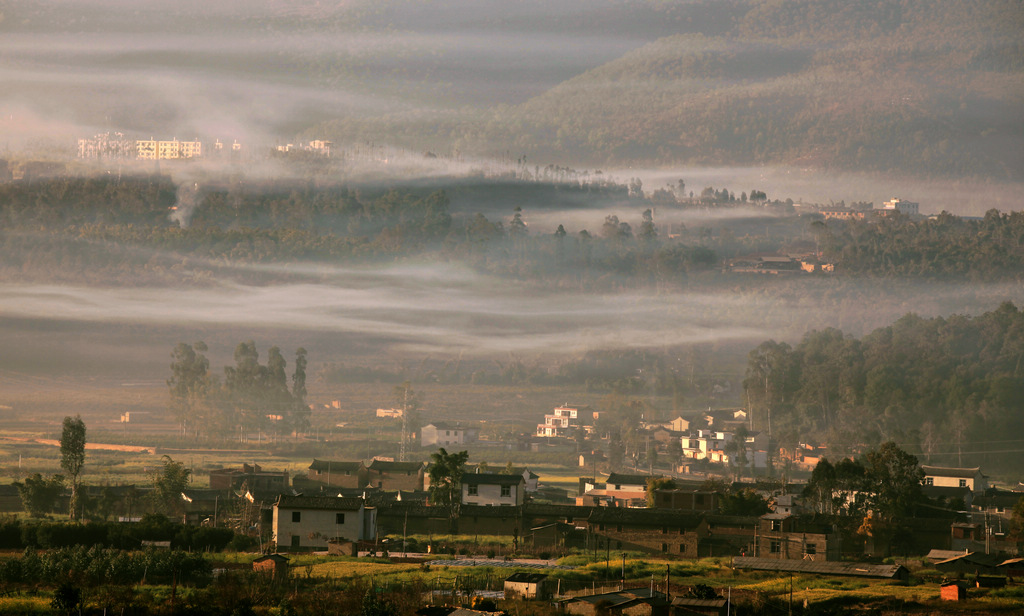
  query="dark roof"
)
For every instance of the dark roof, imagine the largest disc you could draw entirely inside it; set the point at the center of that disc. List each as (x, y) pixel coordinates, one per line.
(943, 471)
(449, 425)
(330, 503)
(623, 479)
(1001, 498)
(820, 567)
(491, 479)
(522, 576)
(334, 465)
(274, 557)
(975, 558)
(646, 517)
(390, 467)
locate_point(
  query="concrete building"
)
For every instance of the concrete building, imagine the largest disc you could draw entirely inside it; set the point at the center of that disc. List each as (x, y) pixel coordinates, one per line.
(152, 149)
(443, 434)
(390, 475)
(252, 477)
(339, 473)
(948, 477)
(308, 522)
(493, 489)
(902, 206)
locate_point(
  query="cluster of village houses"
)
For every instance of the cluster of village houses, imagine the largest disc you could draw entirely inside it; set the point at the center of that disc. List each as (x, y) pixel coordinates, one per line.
(349, 506)
(354, 503)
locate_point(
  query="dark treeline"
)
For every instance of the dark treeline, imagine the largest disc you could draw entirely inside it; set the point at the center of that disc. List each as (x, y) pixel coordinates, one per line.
(103, 228)
(951, 388)
(944, 247)
(18, 534)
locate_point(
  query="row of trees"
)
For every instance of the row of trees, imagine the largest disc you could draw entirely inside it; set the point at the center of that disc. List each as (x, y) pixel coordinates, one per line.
(81, 238)
(41, 495)
(944, 385)
(251, 396)
(947, 246)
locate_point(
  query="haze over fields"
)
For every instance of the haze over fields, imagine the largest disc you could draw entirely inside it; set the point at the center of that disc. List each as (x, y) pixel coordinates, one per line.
(570, 101)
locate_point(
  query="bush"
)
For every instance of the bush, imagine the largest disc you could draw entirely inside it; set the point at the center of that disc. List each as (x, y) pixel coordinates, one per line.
(242, 543)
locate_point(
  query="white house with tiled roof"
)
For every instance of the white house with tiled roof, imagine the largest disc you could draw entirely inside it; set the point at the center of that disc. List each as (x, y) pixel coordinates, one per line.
(308, 522)
(949, 477)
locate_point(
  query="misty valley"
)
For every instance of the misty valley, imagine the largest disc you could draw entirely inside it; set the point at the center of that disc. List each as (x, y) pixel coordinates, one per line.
(547, 307)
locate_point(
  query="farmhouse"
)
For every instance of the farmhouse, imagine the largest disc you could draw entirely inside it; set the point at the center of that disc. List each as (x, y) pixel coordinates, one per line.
(308, 522)
(339, 474)
(493, 489)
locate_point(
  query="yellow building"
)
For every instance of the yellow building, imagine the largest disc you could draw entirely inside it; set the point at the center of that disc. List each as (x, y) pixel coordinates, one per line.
(150, 149)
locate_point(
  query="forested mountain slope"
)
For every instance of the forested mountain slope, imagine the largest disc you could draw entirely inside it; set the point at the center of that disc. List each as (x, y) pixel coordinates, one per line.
(913, 86)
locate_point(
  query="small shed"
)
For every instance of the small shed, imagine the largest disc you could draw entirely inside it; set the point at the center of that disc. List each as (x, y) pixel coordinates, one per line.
(527, 586)
(953, 591)
(342, 547)
(272, 565)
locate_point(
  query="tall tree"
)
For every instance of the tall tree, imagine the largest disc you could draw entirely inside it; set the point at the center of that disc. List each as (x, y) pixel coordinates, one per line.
(189, 383)
(169, 483)
(301, 412)
(446, 482)
(72, 457)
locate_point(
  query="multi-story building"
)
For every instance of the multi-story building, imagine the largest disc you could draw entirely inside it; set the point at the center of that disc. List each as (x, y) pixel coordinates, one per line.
(566, 420)
(152, 149)
(308, 522)
(339, 474)
(902, 206)
(390, 475)
(493, 489)
(970, 478)
(443, 433)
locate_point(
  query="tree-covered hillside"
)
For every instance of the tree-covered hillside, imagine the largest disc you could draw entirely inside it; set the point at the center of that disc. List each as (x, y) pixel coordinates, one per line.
(913, 86)
(951, 388)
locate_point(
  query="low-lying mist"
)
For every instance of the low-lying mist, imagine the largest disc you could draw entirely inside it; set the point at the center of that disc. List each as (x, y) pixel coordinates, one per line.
(346, 314)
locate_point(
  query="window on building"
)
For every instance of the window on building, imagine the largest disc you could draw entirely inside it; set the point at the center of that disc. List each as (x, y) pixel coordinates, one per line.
(682, 548)
(339, 518)
(776, 546)
(506, 491)
(618, 528)
(699, 499)
(600, 527)
(963, 483)
(811, 548)
(928, 481)
(664, 530)
(776, 524)
(296, 516)
(664, 547)
(472, 490)
(296, 541)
